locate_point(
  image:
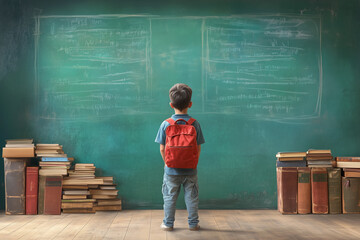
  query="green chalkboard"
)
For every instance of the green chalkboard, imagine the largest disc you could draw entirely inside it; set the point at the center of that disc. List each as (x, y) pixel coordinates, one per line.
(267, 76)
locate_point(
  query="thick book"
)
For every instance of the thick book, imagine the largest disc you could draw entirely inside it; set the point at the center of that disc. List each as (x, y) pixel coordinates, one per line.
(304, 191)
(67, 205)
(290, 159)
(42, 180)
(351, 169)
(287, 182)
(334, 186)
(14, 169)
(108, 208)
(79, 210)
(109, 202)
(18, 152)
(351, 195)
(52, 195)
(348, 164)
(319, 190)
(351, 174)
(348, 159)
(32, 179)
(103, 192)
(290, 154)
(291, 163)
(318, 151)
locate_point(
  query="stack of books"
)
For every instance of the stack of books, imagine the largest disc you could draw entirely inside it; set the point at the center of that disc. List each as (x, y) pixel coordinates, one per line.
(106, 196)
(350, 165)
(51, 166)
(49, 150)
(291, 159)
(76, 189)
(319, 158)
(19, 148)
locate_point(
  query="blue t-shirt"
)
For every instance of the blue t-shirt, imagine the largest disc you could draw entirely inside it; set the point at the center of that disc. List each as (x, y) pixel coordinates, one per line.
(161, 138)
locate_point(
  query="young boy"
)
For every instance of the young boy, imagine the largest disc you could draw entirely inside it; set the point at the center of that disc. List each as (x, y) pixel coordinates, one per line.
(186, 174)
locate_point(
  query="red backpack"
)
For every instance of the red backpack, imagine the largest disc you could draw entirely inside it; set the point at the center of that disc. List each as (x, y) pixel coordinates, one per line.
(181, 150)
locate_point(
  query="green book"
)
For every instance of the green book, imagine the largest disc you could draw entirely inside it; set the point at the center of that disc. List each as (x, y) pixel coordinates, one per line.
(334, 185)
(42, 180)
(351, 195)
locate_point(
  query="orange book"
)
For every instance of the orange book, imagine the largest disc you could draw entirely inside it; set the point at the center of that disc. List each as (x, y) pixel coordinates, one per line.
(304, 190)
(319, 190)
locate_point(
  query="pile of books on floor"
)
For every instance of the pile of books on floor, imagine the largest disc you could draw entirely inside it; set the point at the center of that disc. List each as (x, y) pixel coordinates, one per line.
(319, 158)
(85, 193)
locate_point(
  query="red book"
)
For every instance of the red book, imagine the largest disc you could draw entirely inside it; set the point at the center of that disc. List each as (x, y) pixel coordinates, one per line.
(32, 176)
(319, 190)
(52, 195)
(304, 190)
(287, 182)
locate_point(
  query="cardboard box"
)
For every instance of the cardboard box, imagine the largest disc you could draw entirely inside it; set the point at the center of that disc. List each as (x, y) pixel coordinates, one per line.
(18, 152)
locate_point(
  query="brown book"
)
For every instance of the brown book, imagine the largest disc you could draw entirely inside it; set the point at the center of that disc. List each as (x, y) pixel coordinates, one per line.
(18, 152)
(110, 187)
(318, 151)
(108, 208)
(14, 170)
(348, 164)
(287, 181)
(348, 159)
(352, 174)
(291, 154)
(77, 187)
(103, 196)
(319, 190)
(76, 192)
(108, 202)
(74, 197)
(304, 190)
(351, 195)
(32, 179)
(351, 169)
(52, 195)
(334, 185)
(79, 210)
(318, 158)
(78, 200)
(67, 205)
(82, 181)
(41, 194)
(290, 158)
(103, 192)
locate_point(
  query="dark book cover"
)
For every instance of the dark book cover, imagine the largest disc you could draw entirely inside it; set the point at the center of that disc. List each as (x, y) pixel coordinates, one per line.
(291, 163)
(334, 186)
(32, 175)
(52, 195)
(304, 190)
(351, 195)
(287, 190)
(41, 194)
(14, 169)
(319, 190)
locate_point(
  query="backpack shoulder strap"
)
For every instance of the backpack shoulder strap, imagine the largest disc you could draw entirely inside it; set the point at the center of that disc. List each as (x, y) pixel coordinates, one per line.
(191, 121)
(171, 121)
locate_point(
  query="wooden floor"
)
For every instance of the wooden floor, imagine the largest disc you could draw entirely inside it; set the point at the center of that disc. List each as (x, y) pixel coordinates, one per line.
(215, 224)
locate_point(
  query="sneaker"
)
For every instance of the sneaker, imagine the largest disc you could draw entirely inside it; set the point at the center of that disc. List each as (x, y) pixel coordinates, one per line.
(166, 228)
(196, 228)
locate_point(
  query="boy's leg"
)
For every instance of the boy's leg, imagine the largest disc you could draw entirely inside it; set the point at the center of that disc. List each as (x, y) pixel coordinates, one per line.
(191, 190)
(170, 190)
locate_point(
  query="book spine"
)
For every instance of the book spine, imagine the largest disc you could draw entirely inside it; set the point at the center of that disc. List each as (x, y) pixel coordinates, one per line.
(304, 191)
(290, 163)
(32, 175)
(52, 195)
(319, 190)
(287, 190)
(14, 170)
(41, 194)
(351, 195)
(334, 182)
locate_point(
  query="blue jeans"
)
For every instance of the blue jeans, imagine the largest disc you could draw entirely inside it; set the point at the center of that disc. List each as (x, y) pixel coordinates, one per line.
(171, 189)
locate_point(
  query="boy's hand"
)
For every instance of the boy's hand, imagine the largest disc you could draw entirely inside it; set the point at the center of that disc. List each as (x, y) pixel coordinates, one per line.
(162, 151)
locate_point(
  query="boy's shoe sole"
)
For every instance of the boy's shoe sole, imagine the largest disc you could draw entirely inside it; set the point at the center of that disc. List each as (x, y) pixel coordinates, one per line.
(197, 228)
(166, 228)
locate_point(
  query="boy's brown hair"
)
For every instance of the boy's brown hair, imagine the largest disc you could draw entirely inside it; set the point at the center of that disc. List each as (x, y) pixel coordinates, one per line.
(180, 96)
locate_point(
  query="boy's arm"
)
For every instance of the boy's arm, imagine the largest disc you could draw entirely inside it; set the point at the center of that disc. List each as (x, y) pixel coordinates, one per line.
(199, 148)
(162, 151)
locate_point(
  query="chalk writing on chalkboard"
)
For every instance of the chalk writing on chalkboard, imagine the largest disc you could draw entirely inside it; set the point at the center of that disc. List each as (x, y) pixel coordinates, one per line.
(263, 67)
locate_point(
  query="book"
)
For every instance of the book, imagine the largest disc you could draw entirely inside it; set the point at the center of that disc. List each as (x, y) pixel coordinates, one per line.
(347, 159)
(53, 172)
(304, 191)
(320, 166)
(18, 152)
(42, 180)
(287, 182)
(319, 158)
(107, 202)
(318, 151)
(52, 195)
(77, 187)
(32, 175)
(76, 192)
(103, 192)
(19, 141)
(14, 173)
(291, 163)
(78, 200)
(351, 169)
(67, 205)
(351, 195)
(290, 158)
(94, 196)
(65, 197)
(54, 159)
(108, 208)
(19, 145)
(319, 162)
(348, 164)
(110, 187)
(79, 210)
(352, 174)
(319, 191)
(334, 189)
(290, 154)
(82, 181)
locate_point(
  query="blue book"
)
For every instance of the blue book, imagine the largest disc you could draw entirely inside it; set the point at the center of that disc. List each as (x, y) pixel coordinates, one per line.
(54, 159)
(290, 163)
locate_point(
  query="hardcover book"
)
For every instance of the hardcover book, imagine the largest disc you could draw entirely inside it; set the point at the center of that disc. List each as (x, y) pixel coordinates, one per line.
(304, 191)
(291, 163)
(334, 183)
(351, 195)
(287, 190)
(319, 190)
(32, 176)
(52, 195)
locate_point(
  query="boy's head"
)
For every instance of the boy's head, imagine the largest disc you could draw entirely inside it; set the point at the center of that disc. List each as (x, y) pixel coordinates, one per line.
(180, 96)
